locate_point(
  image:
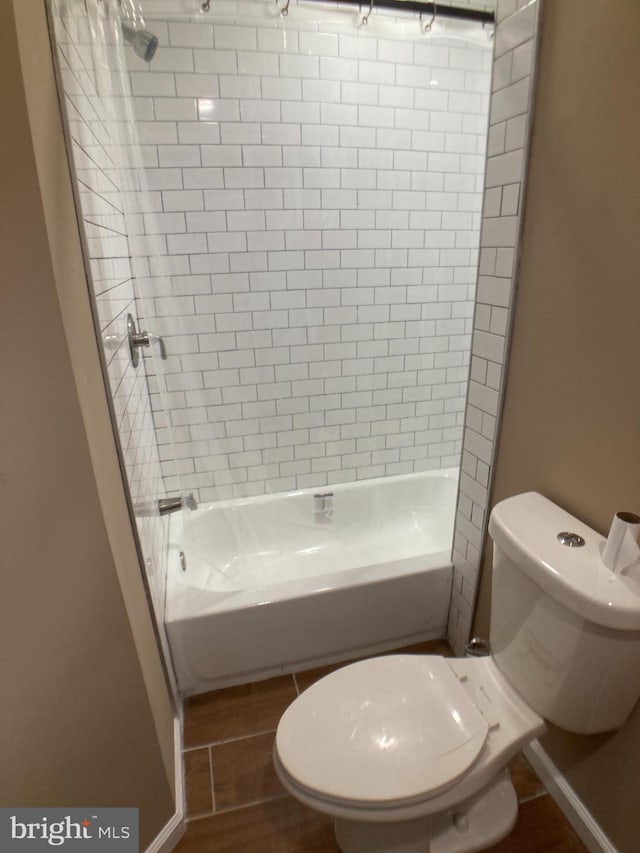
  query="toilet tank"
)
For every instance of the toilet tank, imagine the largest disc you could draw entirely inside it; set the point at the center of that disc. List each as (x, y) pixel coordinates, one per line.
(565, 630)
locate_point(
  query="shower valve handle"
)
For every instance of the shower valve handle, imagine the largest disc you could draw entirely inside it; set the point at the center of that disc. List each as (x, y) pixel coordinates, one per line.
(145, 339)
(142, 339)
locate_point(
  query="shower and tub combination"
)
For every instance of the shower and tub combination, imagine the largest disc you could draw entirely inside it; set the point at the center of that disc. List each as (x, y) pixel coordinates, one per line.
(289, 198)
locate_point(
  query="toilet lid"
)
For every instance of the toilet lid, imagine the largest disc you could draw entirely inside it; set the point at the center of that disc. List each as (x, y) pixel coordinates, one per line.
(386, 729)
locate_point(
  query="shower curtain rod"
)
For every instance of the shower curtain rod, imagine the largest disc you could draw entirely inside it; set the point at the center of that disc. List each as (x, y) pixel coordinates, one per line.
(436, 9)
(460, 12)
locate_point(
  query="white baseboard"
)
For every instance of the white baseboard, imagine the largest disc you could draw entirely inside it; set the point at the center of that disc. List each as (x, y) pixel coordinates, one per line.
(173, 831)
(580, 818)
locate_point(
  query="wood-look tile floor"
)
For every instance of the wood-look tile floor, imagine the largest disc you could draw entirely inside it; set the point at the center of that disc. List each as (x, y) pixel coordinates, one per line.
(235, 803)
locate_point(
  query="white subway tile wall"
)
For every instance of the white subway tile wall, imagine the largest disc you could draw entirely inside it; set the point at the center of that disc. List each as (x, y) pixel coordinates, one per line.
(509, 119)
(318, 194)
(102, 210)
(249, 357)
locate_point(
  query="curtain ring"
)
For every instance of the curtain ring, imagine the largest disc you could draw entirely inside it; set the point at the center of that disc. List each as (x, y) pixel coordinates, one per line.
(427, 27)
(365, 18)
(285, 11)
(206, 6)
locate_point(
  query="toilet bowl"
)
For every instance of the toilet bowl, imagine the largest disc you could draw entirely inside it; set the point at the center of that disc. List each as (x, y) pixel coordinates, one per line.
(414, 742)
(408, 752)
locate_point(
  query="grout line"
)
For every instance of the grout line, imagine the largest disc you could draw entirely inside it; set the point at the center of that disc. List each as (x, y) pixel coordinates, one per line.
(281, 796)
(213, 791)
(211, 743)
(253, 803)
(207, 813)
(195, 817)
(543, 793)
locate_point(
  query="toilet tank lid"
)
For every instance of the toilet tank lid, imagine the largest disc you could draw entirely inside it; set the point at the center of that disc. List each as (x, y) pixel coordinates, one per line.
(526, 528)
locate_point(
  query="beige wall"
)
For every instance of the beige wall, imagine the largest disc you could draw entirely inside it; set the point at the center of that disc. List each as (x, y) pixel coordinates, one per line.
(571, 423)
(85, 710)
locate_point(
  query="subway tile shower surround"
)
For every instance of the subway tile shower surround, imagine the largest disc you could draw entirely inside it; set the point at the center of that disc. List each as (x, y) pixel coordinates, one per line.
(259, 327)
(101, 195)
(316, 191)
(509, 119)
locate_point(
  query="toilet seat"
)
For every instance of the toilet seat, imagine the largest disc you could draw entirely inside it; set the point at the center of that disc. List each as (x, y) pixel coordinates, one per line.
(304, 743)
(385, 730)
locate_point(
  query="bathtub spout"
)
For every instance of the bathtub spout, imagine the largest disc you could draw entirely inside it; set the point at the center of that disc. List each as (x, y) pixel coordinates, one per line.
(167, 505)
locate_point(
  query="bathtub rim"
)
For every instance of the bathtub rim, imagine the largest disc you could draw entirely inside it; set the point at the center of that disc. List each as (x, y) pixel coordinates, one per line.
(186, 601)
(451, 472)
(190, 602)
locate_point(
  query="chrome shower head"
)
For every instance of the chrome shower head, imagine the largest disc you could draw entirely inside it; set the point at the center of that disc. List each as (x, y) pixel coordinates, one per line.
(143, 42)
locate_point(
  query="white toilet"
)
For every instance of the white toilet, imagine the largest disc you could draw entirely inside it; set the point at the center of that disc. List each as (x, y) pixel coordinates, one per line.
(408, 752)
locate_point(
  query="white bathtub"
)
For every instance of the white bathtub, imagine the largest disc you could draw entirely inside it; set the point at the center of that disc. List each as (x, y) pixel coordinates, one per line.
(278, 583)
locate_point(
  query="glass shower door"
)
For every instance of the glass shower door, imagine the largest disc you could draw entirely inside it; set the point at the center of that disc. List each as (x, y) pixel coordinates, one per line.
(105, 159)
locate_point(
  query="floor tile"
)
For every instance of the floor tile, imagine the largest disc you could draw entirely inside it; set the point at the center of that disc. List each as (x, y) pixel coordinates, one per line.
(524, 779)
(197, 780)
(279, 826)
(285, 826)
(237, 711)
(308, 677)
(428, 647)
(243, 772)
(541, 828)
(253, 812)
